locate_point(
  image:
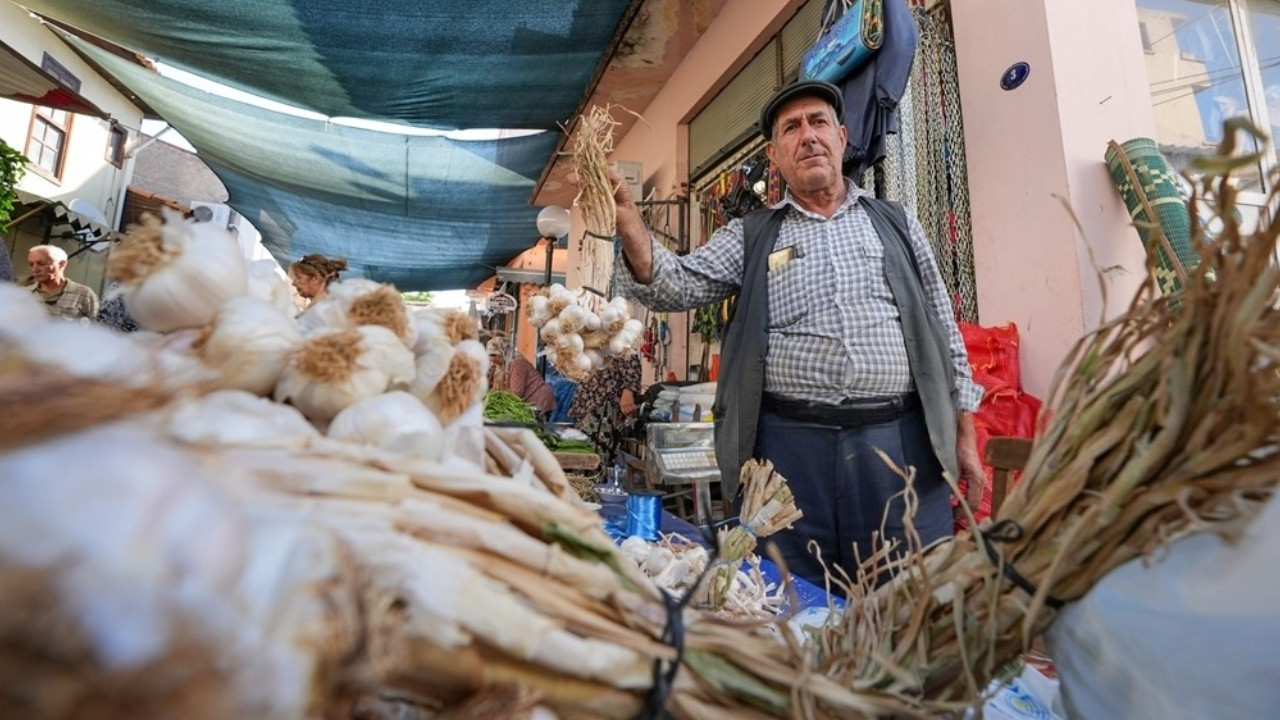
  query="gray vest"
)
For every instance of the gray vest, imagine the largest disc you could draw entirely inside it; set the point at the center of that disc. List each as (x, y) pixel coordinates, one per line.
(740, 384)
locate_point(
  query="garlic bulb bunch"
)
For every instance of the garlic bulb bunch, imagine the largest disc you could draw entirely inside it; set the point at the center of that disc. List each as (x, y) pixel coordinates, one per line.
(395, 420)
(19, 307)
(337, 368)
(581, 330)
(249, 342)
(177, 274)
(432, 352)
(232, 621)
(464, 383)
(265, 280)
(355, 302)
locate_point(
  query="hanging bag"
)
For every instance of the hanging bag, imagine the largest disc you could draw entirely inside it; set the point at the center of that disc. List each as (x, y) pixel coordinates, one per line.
(846, 41)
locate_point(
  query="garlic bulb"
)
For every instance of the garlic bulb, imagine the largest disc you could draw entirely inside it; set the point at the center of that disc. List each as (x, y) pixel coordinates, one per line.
(355, 302)
(177, 274)
(249, 343)
(464, 383)
(238, 418)
(336, 368)
(19, 307)
(432, 353)
(266, 281)
(394, 420)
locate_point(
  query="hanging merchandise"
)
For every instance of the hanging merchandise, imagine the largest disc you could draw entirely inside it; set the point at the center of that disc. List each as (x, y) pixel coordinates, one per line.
(871, 95)
(924, 163)
(852, 30)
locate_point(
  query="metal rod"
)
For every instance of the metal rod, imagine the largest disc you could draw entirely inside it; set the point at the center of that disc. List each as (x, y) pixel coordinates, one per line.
(43, 204)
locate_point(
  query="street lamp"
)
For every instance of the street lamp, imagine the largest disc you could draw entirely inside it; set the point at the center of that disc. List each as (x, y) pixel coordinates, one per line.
(553, 224)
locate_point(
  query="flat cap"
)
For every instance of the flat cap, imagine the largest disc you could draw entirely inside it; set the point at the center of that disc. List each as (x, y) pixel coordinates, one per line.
(800, 88)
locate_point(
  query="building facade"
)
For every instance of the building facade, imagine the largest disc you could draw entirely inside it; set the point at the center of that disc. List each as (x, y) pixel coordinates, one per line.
(76, 127)
(1099, 70)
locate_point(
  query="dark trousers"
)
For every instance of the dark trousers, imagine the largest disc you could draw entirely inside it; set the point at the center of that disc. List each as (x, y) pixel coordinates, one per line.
(845, 489)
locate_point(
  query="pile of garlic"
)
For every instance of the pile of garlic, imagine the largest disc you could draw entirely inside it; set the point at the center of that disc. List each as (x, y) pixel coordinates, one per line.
(358, 364)
(581, 330)
(676, 564)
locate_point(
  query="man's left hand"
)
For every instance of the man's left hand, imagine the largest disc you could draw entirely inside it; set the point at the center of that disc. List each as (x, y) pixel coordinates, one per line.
(970, 463)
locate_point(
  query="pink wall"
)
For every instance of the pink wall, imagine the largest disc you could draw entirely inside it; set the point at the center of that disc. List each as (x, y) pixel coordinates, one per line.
(1032, 148)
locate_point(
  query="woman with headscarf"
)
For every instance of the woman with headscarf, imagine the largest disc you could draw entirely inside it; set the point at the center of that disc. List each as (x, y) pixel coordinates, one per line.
(511, 372)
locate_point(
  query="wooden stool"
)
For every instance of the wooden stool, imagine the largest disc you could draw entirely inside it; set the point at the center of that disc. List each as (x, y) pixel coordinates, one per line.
(1006, 455)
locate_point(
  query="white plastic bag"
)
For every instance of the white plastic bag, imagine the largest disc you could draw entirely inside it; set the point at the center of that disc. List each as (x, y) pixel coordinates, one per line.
(1194, 634)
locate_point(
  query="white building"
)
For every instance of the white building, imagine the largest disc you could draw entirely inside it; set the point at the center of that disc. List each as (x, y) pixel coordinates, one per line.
(77, 128)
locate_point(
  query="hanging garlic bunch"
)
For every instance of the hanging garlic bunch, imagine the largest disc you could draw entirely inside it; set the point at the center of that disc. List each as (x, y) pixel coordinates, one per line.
(336, 368)
(581, 330)
(464, 383)
(249, 343)
(396, 421)
(355, 302)
(176, 274)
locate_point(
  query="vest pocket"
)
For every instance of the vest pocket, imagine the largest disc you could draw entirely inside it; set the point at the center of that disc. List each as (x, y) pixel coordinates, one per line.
(789, 293)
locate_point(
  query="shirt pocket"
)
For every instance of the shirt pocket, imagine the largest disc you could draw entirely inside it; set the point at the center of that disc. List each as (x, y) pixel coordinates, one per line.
(789, 293)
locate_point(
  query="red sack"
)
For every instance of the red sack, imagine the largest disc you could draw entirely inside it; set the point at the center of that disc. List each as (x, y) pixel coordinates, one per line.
(993, 354)
(1005, 410)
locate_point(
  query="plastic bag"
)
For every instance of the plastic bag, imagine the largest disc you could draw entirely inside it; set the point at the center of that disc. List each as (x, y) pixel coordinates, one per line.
(1191, 633)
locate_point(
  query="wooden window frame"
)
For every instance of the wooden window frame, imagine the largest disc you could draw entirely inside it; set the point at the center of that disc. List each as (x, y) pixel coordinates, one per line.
(55, 177)
(117, 141)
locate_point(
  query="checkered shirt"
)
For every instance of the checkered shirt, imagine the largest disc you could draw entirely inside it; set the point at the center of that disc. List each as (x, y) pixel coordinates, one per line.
(72, 301)
(834, 329)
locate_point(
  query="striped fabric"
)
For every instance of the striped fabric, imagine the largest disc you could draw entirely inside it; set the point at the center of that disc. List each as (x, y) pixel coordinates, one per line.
(72, 302)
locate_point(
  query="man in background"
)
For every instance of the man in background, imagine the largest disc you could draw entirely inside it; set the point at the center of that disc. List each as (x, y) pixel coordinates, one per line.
(65, 298)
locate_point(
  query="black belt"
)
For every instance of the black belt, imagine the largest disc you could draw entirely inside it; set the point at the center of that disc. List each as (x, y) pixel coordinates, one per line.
(850, 413)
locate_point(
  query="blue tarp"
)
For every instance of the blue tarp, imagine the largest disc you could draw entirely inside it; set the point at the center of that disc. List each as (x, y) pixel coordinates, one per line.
(457, 64)
(426, 213)
(423, 212)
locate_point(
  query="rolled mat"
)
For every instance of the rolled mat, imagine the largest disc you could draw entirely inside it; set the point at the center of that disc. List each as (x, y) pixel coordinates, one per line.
(1150, 189)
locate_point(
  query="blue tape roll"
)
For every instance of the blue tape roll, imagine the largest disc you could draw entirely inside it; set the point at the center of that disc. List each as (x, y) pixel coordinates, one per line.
(644, 514)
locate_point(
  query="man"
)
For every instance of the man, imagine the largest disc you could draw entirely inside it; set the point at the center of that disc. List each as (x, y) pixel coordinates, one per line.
(64, 298)
(519, 377)
(842, 342)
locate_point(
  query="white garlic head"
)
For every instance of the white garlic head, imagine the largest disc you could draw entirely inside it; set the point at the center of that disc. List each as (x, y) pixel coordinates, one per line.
(336, 368)
(177, 274)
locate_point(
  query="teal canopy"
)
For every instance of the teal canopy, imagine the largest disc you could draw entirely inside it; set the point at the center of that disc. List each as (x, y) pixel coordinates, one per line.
(432, 63)
(424, 212)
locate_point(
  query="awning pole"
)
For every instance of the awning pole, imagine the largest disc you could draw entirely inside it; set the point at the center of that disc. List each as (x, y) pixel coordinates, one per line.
(43, 204)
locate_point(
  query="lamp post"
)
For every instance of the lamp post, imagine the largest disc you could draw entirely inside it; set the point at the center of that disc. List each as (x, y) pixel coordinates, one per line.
(553, 224)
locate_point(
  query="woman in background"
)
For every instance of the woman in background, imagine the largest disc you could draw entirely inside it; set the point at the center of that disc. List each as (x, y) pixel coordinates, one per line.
(312, 274)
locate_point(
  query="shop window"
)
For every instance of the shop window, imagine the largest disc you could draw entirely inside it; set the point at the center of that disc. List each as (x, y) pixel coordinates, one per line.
(47, 143)
(1209, 61)
(116, 140)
